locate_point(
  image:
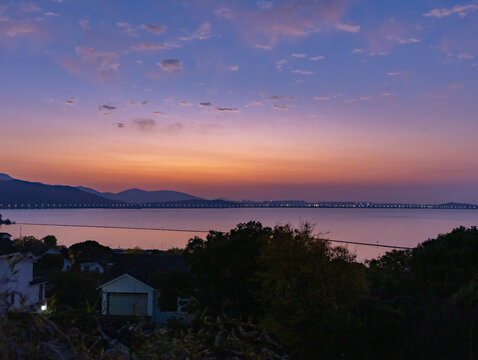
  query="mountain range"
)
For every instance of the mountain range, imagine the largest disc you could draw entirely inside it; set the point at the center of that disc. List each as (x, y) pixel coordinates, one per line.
(16, 192)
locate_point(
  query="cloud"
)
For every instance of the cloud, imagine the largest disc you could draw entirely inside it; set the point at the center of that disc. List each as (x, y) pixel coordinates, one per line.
(280, 64)
(104, 60)
(155, 46)
(202, 33)
(205, 104)
(29, 7)
(154, 28)
(280, 107)
(379, 53)
(15, 28)
(454, 86)
(49, 13)
(71, 101)
(234, 67)
(145, 124)
(170, 65)
(299, 55)
(256, 103)
(120, 125)
(160, 113)
(316, 58)
(223, 13)
(106, 107)
(231, 110)
(144, 102)
(464, 56)
(396, 73)
(281, 97)
(348, 28)
(322, 98)
(461, 10)
(185, 103)
(264, 27)
(303, 72)
(263, 47)
(357, 51)
(408, 41)
(387, 93)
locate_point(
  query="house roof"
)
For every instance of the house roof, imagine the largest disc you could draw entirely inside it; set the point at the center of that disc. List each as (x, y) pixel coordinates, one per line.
(7, 247)
(4, 233)
(124, 276)
(141, 266)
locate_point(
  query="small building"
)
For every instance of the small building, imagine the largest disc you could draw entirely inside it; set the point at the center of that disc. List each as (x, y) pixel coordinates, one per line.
(67, 264)
(130, 291)
(128, 296)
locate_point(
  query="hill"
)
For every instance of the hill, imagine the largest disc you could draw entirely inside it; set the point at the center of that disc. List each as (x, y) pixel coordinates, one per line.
(138, 196)
(24, 193)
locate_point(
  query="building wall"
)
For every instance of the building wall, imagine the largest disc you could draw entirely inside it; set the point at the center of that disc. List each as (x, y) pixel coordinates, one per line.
(16, 273)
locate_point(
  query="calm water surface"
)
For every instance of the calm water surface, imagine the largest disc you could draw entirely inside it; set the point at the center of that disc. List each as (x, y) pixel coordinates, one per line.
(401, 227)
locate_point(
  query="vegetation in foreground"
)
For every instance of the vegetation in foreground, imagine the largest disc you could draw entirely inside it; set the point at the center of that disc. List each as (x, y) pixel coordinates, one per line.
(262, 293)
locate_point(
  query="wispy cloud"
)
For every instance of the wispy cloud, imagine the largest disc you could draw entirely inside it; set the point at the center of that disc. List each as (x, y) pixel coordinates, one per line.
(147, 46)
(263, 47)
(162, 114)
(14, 28)
(322, 98)
(144, 124)
(280, 107)
(357, 51)
(394, 73)
(202, 33)
(348, 28)
(302, 72)
(408, 41)
(154, 28)
(281, 97)
(280, 64)
(170, 65)
(316, 58)
(71, 101)
(234, 67)
(299, 55)
(185, 103)
(461, 10)
(454, 86)
(205, 104)
(29, 7)
(106, 107)
(231, 110)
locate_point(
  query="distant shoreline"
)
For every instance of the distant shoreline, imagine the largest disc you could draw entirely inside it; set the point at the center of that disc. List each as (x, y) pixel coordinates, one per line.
(231, 205)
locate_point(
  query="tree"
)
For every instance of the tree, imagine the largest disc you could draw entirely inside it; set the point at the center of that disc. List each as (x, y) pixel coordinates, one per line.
(50, 241)
(89, 249)
(308, 290)
(223, 269)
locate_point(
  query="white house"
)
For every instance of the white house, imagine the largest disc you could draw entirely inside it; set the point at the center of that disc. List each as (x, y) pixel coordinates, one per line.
(128, 296)
(67, 264)
(18, 289)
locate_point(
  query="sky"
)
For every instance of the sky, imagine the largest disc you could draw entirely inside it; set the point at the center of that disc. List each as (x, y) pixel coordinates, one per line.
(311, 100)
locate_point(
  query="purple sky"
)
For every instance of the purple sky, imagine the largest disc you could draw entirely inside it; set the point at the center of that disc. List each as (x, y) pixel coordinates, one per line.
(314, 100)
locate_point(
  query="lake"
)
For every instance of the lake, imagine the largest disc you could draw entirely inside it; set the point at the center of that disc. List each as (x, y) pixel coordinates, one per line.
(398, 227)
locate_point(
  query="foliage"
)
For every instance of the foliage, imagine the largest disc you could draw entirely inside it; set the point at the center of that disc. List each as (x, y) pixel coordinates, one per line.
(75, 291)
(49, 262)
(26, 242)
(308, 289)
(223, 269)
(135, 250)
(89, 249)
(50, 241)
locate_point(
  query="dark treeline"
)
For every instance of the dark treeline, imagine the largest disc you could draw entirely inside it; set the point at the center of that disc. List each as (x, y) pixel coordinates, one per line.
(258, 293)
(319, 303)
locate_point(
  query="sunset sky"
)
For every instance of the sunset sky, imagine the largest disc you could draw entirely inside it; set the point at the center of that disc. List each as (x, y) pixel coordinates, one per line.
(313, 100)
